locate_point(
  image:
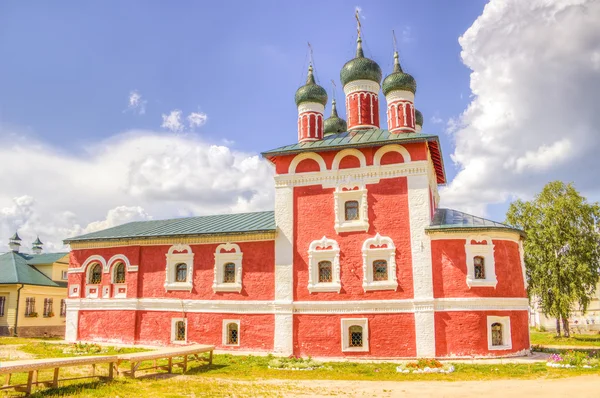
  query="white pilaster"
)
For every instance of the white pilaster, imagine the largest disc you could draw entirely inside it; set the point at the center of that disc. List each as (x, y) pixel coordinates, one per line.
(71, 323)
(284, 270)
(420, 217)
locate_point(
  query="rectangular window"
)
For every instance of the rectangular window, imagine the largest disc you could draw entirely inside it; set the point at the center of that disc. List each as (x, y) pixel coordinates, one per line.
(2, 304)
(351, 208)
(64, 275)
(30, 306)
(63, 307)
(229, 273)
(180, 332)
(48, 307)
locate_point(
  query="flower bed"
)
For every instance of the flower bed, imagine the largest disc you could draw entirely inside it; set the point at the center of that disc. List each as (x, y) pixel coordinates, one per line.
(573, 359)
(85, 349)
(425, 366)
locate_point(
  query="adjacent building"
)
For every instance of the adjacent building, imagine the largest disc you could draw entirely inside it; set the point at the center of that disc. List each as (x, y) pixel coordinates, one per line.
(33, 289)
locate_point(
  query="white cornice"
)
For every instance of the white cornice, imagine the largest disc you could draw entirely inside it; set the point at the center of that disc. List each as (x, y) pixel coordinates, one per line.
(361, 85)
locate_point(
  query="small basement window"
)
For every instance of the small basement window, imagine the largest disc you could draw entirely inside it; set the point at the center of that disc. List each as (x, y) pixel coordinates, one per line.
(231, 332)
(498, 331)
(179, 330)
(355, 334)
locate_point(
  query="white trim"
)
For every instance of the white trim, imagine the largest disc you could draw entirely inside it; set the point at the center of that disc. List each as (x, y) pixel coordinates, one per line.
(348, 152)
(346, 323)
(391, 148)
(221, 259)
(120, 290)
(486, 251)
(174, 331)
(71, 323)
(307, 155)
(379, 253)
(124, 259)
(74, 290)
(91, 259)
(506, 335)
(226, 322)
(92, 291)
(522, 261)
(400, 95)
(184, 255)
(361, 85)
(511, 236)
(315, 256)
(314, 107)
(357, 192)
(105, 291)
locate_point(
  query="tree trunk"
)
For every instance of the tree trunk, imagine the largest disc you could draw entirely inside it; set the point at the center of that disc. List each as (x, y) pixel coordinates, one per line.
(566, 327)
(558, 327)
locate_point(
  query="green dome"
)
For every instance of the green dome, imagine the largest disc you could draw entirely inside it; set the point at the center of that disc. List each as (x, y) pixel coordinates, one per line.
(334, 124)
(360, 68)
(311, 91)
(398, 80)
(418, 118)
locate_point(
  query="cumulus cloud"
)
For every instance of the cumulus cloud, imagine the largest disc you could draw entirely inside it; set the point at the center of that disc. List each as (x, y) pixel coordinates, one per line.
(139, 175)
(136, 103)
(533, 118)
(196, 119)
(172, 121)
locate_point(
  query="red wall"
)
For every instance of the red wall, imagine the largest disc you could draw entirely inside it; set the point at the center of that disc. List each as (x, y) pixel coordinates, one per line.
(388, 215)
(450, 270)
(107, 326)
(464, 333)
(390, 335)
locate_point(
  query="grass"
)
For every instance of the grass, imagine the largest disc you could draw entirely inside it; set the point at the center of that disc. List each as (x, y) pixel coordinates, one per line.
(549, 339)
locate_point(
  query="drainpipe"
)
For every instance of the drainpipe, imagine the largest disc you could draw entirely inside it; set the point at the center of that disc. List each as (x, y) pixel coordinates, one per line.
(17, 309)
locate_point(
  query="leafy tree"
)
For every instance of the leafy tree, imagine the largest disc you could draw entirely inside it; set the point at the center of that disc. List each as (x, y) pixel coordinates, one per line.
(562, 250)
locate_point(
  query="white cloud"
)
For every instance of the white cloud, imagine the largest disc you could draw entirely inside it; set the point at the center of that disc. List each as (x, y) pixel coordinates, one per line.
(436, 120)
(533, 116)
(139, 175)
(407, 36)
(196, 119)
(172, 121)
(136, 103)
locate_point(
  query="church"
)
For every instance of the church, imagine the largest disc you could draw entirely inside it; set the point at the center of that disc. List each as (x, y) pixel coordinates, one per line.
(355, 260)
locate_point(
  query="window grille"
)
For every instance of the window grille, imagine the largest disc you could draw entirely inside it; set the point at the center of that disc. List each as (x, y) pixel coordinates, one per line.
(95, 274)
(497, 338)
(2, 304)
(229, 273)
(181, 272)
(232, 333)
(29, 306)
(120, 273)
(48, 307)
(180, 331)
(356, 336)
(479, 265)
(63, 307)
(351, 210)
(325, 271)
(380, 270)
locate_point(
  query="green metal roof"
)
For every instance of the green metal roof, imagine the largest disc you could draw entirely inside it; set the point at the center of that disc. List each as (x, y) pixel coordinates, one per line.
(448, 219)
(15, 268)
(44, 258)
(204, 225)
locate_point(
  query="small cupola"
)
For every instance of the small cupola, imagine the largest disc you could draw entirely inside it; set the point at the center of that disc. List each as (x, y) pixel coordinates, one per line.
(399, 89)
(37, 246)
(310, 100)
(334, 124)
(418, 121)
(14, 243)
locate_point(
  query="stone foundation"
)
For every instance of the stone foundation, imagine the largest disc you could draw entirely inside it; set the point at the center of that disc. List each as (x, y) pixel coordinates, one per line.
(6, 331)
(41, 331)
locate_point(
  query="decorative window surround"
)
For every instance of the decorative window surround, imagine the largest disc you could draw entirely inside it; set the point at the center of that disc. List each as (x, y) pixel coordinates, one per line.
(233, 255)
(105, 291)
(74, 291)
(324, 250)
(174, 331)
(226, 323)
(379, 248)
(346, 193)
(178, 254)
(506, 337)
(486, 251)
(92, 291)
(120, 290)
(346, 324)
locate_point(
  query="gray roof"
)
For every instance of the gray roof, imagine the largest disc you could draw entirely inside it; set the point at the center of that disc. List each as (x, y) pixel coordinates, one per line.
(448, 219)
(16, 268)
(205, 225)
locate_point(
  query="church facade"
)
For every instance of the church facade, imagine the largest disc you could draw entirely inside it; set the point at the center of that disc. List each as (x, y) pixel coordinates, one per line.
(356, 260)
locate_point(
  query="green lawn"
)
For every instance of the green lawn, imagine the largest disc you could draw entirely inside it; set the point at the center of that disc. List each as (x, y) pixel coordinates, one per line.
(549, 339)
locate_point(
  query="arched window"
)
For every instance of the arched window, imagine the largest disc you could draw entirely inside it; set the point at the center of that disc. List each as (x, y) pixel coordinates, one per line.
(232, 333)
(119, 273)
(95, 274)
(229, 273)
(325, 272)
(380, 270)
(497, 338)
(181, 272)
(479, 267)
(180, 331)
(351, 210)
(355, 336)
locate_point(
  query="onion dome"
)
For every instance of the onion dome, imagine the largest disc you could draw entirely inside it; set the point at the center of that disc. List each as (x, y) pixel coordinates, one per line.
(15, 237)
(398, 80)
(418, 118)
(334, 124)
(311, 91)
(360, 68)
(37, 242)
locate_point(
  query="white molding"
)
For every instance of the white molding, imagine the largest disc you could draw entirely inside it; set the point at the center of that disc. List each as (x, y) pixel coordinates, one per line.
(91, 259)
(174, 331)
(307, 155)
(400, 95)
(225, 334)
(311, 107)
(184, 255)
(120, 290)
(506, 335)
(357, 192)
(315, 256)
(221, 259)
(92, 291)
(380, 253)
(361, 85)
(346, 323)
(74, 290)
(486, 251)
(391, 148)
(124, 259)
(105, 291)
(71, 323)
(511, 236)
(522, 260)
(348, 152)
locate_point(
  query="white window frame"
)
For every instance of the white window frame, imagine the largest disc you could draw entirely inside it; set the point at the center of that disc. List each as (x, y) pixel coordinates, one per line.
(346, 324)
(174, 331)
(233, 255)
(486, 251)
(506, 335)
(178, 254)
(226, 322)
(118, 287)
(316, 255)
(64, 275)
(379, 253)
(343, 194)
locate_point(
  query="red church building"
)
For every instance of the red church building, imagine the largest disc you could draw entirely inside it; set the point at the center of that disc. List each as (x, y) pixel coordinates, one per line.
(356, 260)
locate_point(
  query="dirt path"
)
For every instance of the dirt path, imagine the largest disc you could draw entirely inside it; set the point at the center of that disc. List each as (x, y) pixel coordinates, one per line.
(12, 352)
